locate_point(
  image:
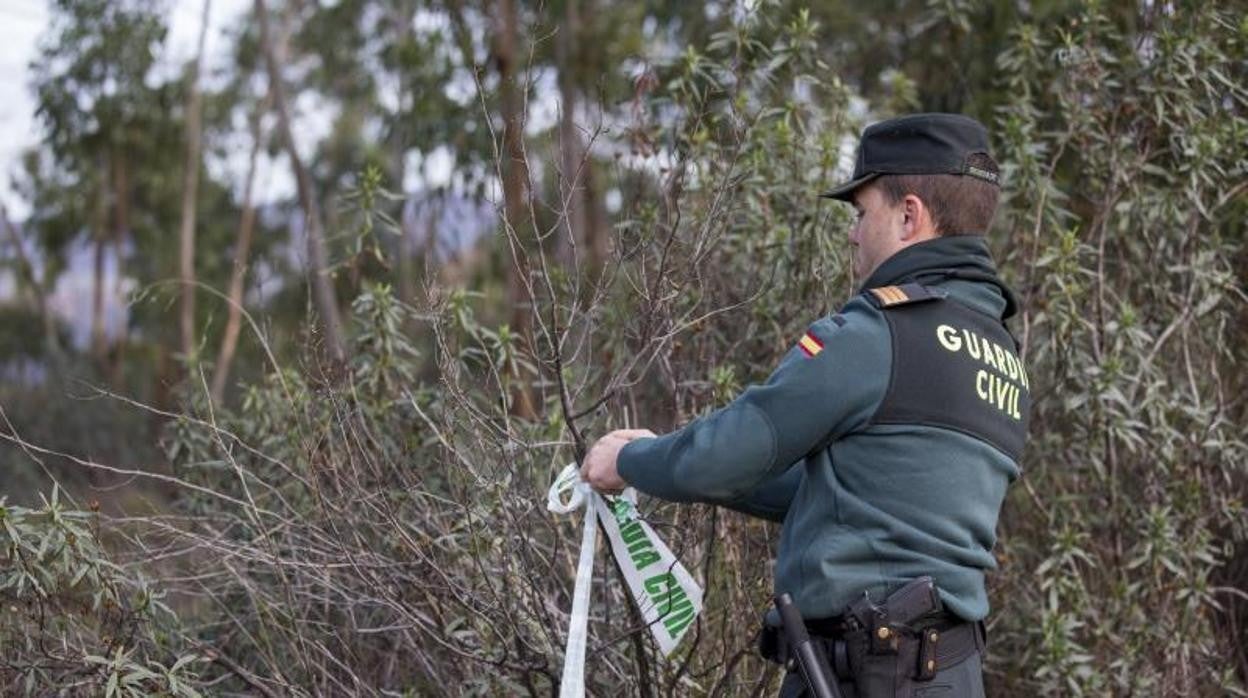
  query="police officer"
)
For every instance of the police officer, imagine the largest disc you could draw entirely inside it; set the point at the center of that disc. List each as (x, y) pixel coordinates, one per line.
(887, 436)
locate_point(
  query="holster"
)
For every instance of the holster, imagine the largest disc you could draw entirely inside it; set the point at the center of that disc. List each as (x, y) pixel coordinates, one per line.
(909, 633)
(886, 624)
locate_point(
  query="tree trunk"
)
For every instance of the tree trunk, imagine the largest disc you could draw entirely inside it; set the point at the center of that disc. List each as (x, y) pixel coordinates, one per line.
(585, 224)
(38, 289)
(121, 230)
(242, 252)
(515, 174)
(98, 345)
(571, 150)
(597, 229)
(190, 190)
(318, 273)
(402, 16)
(404, 268)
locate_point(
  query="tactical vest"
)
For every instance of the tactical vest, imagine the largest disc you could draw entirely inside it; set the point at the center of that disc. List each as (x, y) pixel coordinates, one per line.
(953, 367)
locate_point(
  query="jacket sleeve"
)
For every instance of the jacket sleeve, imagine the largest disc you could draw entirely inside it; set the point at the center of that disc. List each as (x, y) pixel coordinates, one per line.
(812, 397)
(771, 499)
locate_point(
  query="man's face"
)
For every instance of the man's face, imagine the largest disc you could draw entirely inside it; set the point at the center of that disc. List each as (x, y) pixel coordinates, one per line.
(875, 234)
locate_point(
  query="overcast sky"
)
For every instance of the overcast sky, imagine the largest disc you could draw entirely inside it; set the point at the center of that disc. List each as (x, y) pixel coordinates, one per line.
(21, 22)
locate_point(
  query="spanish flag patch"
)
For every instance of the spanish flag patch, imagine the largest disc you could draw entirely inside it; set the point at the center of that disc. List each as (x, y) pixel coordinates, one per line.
(810, 345)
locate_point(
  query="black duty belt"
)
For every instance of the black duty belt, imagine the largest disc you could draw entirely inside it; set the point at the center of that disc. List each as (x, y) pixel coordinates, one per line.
(940, 642)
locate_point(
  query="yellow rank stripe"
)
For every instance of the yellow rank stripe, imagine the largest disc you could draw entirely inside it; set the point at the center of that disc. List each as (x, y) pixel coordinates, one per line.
(890, 295)
(810, 344)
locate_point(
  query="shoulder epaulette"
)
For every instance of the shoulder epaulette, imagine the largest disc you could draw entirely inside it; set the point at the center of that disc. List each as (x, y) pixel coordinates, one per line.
(892, 296)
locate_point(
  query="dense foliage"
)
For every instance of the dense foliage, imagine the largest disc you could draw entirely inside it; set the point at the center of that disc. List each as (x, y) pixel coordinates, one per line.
(376, 525)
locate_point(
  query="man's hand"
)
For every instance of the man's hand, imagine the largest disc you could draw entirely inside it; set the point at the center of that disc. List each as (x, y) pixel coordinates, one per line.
(599, 468)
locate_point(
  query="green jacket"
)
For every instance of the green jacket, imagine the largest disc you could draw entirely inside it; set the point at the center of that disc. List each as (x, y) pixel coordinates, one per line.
(884, 441)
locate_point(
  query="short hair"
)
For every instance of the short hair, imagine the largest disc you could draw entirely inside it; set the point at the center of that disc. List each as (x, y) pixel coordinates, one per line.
(959, 204)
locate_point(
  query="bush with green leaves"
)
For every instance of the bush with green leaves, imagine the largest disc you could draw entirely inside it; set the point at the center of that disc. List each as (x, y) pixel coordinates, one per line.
(377, 527)
(1126, 167)
(72, 619)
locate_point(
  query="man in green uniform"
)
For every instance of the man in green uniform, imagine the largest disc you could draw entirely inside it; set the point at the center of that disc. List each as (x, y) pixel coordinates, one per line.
(887, 436)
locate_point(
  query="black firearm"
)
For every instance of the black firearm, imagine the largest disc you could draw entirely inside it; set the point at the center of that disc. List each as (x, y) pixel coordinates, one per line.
(884, 624)
(810, 661)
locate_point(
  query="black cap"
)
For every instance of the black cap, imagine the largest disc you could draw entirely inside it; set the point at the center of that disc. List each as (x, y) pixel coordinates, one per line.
(918, 144)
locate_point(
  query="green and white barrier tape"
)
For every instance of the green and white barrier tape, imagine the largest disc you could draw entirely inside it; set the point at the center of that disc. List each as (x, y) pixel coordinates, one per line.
(668, 597)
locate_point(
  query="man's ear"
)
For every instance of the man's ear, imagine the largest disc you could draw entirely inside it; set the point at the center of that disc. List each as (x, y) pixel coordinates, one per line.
(916, 222)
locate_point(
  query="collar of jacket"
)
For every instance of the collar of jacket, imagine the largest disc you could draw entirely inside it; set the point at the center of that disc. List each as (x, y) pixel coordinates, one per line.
(947, 257)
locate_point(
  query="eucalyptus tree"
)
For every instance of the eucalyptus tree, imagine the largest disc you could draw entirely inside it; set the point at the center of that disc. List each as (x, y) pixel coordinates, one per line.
(242, 254)
(102, 183)
(313, 223)
(97, 113)
(190, 189)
